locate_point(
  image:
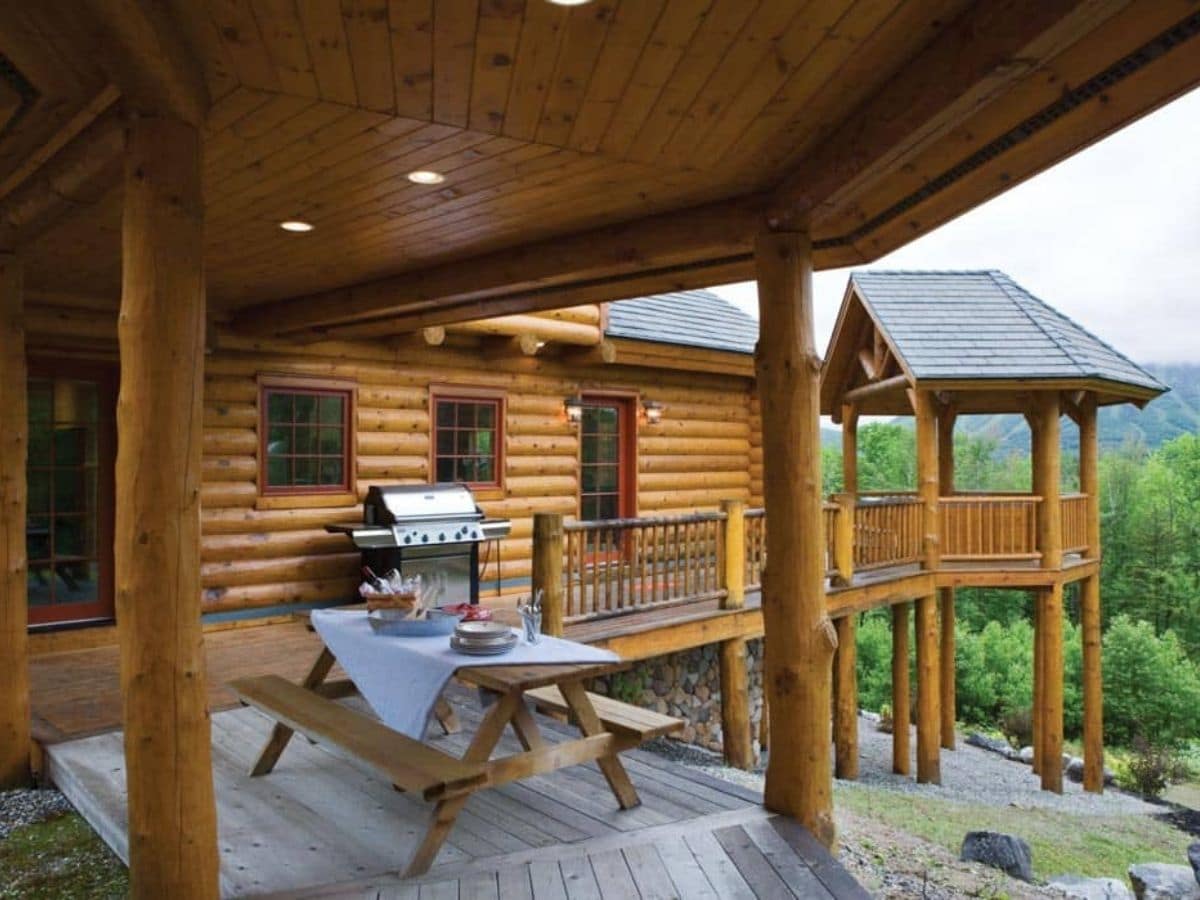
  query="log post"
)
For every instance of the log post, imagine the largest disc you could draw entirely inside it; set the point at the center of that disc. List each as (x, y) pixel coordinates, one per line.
(947, 650)
(1036, 706)
(14, 440)
(850, 449)
(1048, 466)
(929, 719)
(845, 711)
(735, 684)
(901, 710)
(843, 540)
(172, 814)
(799, 638)
(927, 477)
(548, 569)
(1089, 603)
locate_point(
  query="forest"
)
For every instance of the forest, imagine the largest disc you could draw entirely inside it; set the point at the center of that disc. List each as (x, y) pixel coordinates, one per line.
(1150, 588)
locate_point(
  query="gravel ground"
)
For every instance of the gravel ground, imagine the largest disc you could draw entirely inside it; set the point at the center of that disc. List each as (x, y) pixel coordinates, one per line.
(24, 807)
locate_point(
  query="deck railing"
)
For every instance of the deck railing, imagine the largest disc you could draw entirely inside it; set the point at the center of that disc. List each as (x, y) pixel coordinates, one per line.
(887, 530)
(982, 527)
(628, 565)
(1074, 523)
(756, 546)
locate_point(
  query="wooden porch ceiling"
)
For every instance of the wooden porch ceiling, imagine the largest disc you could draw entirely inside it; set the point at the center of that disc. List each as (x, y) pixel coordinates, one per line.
(594, 152)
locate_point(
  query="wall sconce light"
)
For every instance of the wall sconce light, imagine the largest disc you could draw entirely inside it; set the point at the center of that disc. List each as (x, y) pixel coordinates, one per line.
(653, 410)
(573, 407)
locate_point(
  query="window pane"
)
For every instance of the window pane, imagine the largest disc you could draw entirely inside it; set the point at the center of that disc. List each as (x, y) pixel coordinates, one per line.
(332, 410)
(465, 470)
(279, 407)
(331, 472)
(70, 446)
(487, 415)
(607, 506)
(331, 441)
(68, 536)
(279, 472)
(445, 413)
(466, 415)
(486, 471)
(463, 443)
(305, 471)
(40, 438)
(37, 538)
(606, 478)
(279, 440)
(41, 401)
(483, 443)
(445, 469)
(587, 508)
(39, 491)
(305, 440)
(445, 443)
(306, 408)
(68, 491)
(587, 479)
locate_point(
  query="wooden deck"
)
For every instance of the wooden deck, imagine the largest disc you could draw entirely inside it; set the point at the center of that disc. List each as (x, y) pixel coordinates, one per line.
(321, 827)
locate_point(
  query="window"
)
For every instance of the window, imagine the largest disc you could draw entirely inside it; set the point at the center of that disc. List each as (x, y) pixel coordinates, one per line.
(606, 475)
(306, 438)
(468, 431)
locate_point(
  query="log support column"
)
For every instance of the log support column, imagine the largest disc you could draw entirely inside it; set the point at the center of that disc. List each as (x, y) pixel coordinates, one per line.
(901, 708)
(947, 649)
(845, 710)
(929, 716)
(548, 569)
(14, 440)
(1089, 603)
(799, 638)
(172, 815)
(735, 683)
(1047, 468)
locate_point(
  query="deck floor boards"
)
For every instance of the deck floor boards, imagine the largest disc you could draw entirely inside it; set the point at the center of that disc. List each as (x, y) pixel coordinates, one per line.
(322, 826)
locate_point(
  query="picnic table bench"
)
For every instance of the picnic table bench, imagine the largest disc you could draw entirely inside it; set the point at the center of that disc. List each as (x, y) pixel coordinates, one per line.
(607, 728)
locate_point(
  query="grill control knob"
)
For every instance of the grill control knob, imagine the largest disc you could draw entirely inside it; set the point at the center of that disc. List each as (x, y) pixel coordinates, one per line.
(424, 539)
(408, 539)
(442, 536)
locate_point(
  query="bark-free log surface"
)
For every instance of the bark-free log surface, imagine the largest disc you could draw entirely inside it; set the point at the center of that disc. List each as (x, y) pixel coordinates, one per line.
(929, 717)
(799, 638)
(172, 816)
(901, 708)
(949, 691)
(1089, 603)
(845, 711)
(14, 439)
(735, 705)
(1047, 466)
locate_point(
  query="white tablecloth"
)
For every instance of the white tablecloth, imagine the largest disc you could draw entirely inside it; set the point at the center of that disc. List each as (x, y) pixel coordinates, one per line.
(402, 677)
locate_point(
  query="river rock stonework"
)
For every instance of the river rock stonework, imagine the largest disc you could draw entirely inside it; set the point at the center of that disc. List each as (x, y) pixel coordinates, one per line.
(688, 686)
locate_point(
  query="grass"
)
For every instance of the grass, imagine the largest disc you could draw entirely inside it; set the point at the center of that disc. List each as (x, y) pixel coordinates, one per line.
(1062, 843)
(59, 858)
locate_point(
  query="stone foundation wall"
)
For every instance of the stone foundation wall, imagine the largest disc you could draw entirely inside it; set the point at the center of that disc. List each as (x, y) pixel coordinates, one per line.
(688, 686)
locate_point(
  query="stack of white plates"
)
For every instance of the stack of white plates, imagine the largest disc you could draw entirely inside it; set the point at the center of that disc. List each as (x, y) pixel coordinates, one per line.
(483, 638)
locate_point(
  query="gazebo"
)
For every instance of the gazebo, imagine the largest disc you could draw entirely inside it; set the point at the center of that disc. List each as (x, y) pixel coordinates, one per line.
(290, 173)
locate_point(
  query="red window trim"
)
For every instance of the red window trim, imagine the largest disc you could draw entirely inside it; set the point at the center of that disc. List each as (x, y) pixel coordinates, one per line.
(288, 384)
(458, 394)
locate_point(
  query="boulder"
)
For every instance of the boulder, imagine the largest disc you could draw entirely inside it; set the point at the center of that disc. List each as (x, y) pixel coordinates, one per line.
(1079, 888)
(1000, 851)
(1194, 859)
(1026, 755)
(1074, 769)
(995, 745)
(1161, 881)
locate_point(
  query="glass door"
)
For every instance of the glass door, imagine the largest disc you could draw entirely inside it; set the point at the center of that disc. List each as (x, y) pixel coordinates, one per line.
(68, 530)
(607, 489)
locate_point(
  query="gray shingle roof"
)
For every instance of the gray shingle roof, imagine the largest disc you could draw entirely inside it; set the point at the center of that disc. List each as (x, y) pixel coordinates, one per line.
(983, 325)
(687, 318)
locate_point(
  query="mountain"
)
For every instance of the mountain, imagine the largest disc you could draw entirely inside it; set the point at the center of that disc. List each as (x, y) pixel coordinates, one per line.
(1174, 413)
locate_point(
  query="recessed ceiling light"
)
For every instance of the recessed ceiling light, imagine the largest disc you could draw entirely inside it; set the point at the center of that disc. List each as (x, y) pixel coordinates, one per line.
(295, 225)
(570, 2)
(424, 176)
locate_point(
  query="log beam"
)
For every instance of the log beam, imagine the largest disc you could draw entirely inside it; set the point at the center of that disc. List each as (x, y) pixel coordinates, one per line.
(1089, 601)
(799, 638)
(901, 708)
(172, 815)
(14, 441)
(845, 710)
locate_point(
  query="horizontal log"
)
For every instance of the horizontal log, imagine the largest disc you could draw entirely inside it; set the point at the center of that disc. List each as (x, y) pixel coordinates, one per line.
(545, 329)
(387, 443)
(230, 442)
(545, 405)
(675, 427)
(540, 424)
(660, 501)
(282, 593)
(522, 466)
(542, 486)
(586, 313)
(392, 420)
(57, 321)
(706, 463)
(231, 573)
(373, 467)
(521, 507)
(223, 494)
(388, 397)
(219, 389)
(230, 415)
(243, 521)
(229, 468)
(662, 445)
(693, 481)
(271, 545)
(541, 445)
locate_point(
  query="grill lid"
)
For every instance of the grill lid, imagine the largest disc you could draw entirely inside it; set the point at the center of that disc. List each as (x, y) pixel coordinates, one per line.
(406, 503)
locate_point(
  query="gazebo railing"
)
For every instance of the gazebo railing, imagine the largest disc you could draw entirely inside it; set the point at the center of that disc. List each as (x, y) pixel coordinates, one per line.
(982, 527)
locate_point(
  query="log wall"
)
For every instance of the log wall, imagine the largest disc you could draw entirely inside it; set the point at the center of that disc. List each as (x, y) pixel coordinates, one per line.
(256, 558)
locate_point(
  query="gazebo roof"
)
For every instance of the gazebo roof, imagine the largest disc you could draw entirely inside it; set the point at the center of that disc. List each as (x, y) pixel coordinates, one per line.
(968, 331)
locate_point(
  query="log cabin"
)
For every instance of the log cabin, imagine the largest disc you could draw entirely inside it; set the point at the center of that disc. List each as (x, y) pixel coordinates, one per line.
(305, 171)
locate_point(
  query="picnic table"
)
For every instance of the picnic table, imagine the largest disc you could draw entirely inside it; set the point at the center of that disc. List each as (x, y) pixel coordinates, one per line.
(607, 727)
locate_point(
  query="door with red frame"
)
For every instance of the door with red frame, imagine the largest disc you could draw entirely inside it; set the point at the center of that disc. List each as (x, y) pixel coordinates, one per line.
(69, 525)
(607, 463)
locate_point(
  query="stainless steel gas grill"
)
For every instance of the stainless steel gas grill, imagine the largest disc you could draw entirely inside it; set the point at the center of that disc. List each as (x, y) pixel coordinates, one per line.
(431, 530)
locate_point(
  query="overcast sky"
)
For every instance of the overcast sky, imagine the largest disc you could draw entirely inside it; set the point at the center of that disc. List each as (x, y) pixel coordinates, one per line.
(1111, 237)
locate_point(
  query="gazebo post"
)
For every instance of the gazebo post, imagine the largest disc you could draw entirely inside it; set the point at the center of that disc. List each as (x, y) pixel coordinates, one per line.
(172, 816)
(901, 704)
(845, 710)
(1089, 601)
(946, 650)
(929, 717)
(1036, 714)
(1048, 466)
(14, 610)
(799, 638)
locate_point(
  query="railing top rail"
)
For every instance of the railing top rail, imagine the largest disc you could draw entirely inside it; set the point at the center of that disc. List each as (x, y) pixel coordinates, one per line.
(887, 493)
(991, 498)
(882, 499)
(688, 519)
(755, 512)
(1073, 495)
